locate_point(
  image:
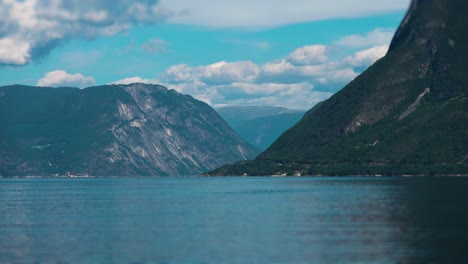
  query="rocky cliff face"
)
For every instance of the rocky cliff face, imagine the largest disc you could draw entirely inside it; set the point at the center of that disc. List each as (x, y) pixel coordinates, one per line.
(118, 130)
(406, 114)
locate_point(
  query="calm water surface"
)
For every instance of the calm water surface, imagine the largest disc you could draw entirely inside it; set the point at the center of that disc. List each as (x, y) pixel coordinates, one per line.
(234, 220)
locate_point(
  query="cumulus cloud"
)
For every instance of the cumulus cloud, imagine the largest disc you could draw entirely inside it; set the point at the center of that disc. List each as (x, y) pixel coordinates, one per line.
(224, 72)
(155, 45)
(308, 63)
(178, 74)
(13, 51)
(217, 73)
(309, 55)
(367, 57)
(30, 29)
(282, 71)
(271, 13)
(136, 79)
(63, 79)
(299, 80)
(374, 38)
(295, 96)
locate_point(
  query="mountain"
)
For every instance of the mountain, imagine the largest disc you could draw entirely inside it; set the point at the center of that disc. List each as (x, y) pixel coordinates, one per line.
(406, 114)
(128, 130)
(238, 115)
(260, 125)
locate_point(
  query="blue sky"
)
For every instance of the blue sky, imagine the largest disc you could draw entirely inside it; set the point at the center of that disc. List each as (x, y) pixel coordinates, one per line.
(292, 54)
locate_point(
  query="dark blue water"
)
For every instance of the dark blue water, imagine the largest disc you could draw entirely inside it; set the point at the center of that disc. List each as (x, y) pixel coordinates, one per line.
(234, 220)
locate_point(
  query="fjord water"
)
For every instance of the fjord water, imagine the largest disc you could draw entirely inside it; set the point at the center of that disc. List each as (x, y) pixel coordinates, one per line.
(234, 220)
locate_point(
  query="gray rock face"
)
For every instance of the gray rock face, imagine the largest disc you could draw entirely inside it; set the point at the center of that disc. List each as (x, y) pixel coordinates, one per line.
(117, 130)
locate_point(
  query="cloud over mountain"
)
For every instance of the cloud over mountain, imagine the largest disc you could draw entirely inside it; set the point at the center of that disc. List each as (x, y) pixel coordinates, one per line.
(64, 79)
(134, 80)
(301, 79)
(378, 36)
(367, 57)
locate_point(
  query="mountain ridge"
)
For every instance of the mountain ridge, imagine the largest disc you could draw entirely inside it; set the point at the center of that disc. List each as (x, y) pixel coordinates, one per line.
(112, 130)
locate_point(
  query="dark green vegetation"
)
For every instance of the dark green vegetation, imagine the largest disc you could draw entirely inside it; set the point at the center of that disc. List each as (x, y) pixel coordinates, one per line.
(129, 130)
(260, 125)
(407, 114)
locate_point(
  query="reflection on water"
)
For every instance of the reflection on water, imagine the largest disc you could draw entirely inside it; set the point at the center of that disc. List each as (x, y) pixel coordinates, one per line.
(236, 220)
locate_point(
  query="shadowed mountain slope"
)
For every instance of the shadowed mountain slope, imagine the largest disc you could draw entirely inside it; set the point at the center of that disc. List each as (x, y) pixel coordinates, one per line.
(260, 125)
(406, 114)
(113, 130)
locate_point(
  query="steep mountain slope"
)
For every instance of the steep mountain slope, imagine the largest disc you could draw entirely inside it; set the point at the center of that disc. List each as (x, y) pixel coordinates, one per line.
(407, 114)
(263, 131)
(130, 130)
(260, 125)
(238, 115)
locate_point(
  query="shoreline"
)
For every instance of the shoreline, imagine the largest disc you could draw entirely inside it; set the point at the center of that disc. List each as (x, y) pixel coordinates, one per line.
(244, 176)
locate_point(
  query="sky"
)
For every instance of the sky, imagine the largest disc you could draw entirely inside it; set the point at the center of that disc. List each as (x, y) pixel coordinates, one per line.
(292, 53)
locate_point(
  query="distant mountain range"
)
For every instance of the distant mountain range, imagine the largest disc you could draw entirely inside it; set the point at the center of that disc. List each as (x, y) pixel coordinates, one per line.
(260, 125)
(112, 130)
(406, 114)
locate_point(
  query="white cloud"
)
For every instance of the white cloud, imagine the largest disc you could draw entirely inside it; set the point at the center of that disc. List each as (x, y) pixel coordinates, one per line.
(224, 72)
(178, 74)
(96, 16)
(299, 80)
(36, 27)
(342, 75)
(64, 79)
(13, 51)
(294, 96)
(308, 68)
(216, 74)
(282, 71)
(136, 79)
(367, 57)
(309, 55)
(277, 67)
(270, 88)
(374, 38)
(155, 45)
(271, 13)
